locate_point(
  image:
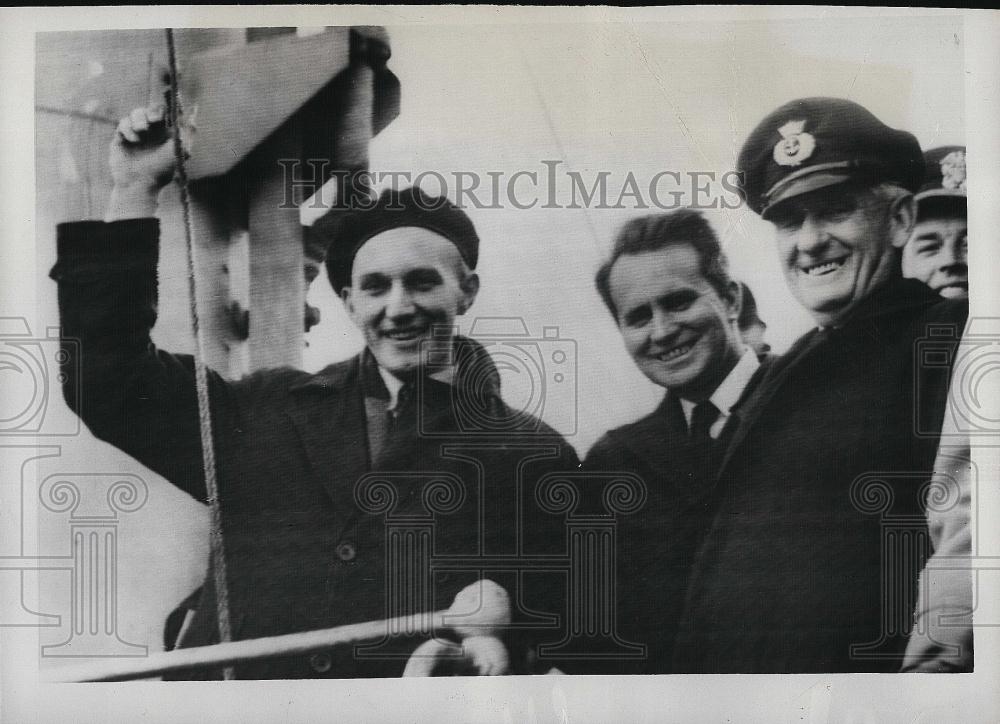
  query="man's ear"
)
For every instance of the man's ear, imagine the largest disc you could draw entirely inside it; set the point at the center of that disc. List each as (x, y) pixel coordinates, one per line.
(470, 288)
(734, 300)
(345, 297)
(902, 217)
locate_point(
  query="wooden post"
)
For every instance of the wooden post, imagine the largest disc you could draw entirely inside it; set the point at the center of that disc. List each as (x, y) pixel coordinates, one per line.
(277, 279)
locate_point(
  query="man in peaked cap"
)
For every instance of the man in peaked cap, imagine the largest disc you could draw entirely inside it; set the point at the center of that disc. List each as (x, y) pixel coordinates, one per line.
(305, 525)
(800, 570)
(936, 252)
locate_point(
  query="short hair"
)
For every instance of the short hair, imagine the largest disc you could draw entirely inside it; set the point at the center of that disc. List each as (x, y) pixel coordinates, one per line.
(661, 231)
(748, 311)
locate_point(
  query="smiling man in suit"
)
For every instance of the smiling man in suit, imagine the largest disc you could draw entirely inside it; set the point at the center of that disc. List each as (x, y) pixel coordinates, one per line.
(667, 285)
(307, 541)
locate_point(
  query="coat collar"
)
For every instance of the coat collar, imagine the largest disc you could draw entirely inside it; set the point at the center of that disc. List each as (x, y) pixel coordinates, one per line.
(327, 410)
(331, 378)
(892, 298)
(657, 437)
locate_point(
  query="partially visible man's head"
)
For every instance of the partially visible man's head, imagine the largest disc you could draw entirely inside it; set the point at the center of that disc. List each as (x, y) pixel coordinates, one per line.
(404, 270)
(752, 327)
(837, 183)
(937, 251)
(668, 288)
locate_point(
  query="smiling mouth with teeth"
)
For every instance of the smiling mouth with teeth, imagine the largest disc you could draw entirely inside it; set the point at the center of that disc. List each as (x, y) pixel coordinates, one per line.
(826, 267)
(404, 335)
(954, 289)
(675, 353)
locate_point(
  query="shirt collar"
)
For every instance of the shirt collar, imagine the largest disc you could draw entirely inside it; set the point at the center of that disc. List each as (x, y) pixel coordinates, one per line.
(393, 384)
(728, 393)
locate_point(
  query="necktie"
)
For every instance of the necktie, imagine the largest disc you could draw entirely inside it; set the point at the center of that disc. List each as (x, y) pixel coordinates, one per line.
(702, 447)
(403, 415)
(703, 417)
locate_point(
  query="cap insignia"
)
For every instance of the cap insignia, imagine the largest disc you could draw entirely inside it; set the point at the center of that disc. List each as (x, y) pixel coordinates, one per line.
(795, 145)
(953, 171)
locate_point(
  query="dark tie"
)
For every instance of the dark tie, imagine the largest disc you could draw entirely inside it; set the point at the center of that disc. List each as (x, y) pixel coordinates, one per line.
(703, 417)
(702, 446)
(403, 416)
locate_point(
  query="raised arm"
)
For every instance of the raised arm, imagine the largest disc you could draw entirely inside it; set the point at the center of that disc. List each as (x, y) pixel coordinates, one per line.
(128, 393)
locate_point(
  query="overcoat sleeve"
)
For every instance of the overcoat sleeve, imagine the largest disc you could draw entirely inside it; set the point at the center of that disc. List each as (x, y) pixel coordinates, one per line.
(941, 639)
(128, 393)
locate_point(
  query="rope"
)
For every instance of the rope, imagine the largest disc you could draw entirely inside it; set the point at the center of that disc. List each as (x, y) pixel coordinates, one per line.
(200, 370)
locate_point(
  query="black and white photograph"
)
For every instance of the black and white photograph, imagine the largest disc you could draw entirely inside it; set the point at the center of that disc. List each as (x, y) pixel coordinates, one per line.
(445, 363)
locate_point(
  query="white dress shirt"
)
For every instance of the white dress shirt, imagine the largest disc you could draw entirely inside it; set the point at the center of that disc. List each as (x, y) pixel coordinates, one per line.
(728, 393)
(394, 384)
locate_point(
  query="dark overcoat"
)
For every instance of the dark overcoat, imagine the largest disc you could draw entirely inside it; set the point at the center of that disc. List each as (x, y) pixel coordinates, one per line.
(657, 543)
(307, 528)
(811, 561)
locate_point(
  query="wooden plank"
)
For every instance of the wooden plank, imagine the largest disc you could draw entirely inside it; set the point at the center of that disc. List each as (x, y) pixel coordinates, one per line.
(277, 278)
(243, 94)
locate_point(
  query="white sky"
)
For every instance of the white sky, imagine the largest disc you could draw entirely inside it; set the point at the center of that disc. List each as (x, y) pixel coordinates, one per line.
(639, 98)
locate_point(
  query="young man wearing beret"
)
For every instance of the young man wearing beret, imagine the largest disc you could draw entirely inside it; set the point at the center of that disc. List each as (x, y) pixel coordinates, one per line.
(937, 251)
(811, 561)
(305, 525)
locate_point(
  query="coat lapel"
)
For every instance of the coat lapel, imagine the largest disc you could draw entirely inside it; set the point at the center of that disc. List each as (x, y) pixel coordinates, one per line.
(763, 387)
(660, 440)
(328, 413)
(893, 297)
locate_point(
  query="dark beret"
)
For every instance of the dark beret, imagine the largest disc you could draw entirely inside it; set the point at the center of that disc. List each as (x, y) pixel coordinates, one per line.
(811, 143)
(944, 174)
(346, 232)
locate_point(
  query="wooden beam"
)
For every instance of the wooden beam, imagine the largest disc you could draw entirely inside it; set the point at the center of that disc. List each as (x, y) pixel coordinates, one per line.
(277, 277)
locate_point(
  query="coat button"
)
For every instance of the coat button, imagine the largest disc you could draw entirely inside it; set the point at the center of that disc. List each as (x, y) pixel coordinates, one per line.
(346, 552)
(320, 663)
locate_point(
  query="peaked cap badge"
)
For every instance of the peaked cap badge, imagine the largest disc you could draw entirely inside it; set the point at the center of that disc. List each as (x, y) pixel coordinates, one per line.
(795, 145)
(953, 171)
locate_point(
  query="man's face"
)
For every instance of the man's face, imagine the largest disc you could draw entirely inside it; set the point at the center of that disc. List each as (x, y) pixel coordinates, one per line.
(405, 282)
(679, 330)
(936, 255)
(836, 245)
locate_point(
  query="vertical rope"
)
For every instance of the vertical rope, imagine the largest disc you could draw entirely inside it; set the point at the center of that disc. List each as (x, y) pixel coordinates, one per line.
(200, 370)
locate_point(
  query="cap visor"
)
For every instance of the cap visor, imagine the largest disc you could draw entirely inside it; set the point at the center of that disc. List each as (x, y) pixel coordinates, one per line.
(941, 193)
(803, 185)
